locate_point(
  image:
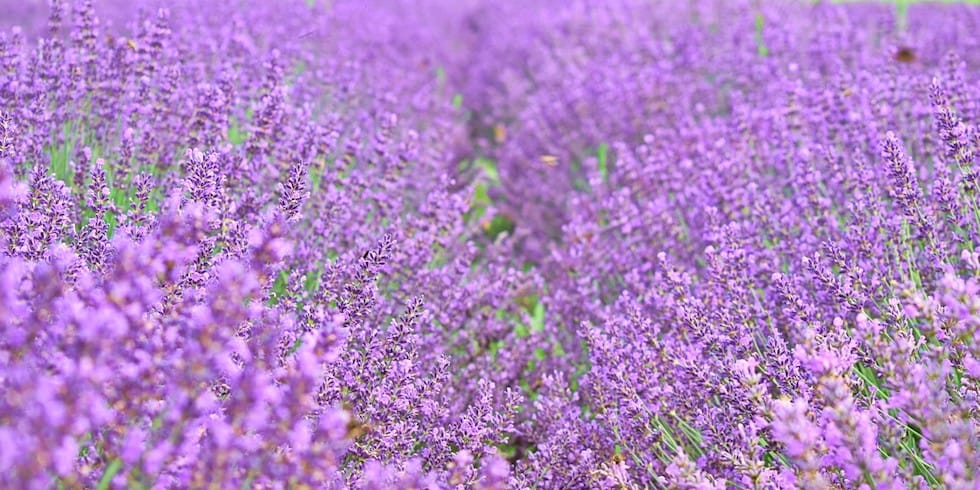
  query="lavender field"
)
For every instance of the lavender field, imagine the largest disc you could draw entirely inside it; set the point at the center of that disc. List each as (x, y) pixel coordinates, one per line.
(486, 244)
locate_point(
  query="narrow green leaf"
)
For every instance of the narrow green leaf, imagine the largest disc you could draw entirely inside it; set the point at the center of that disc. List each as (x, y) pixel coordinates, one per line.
(110, 472)
(537, 318)
(603, 155)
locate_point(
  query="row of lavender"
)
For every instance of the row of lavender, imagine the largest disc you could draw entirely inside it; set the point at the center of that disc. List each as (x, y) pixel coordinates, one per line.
(472, 244)
(757, 241)
(226, 235)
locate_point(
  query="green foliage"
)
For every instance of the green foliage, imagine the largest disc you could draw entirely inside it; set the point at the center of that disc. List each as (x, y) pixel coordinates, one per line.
(603, 155)
(110, 472)
(759, 42)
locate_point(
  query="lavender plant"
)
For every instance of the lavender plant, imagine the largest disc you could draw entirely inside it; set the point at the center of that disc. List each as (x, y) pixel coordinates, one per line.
(585, 244)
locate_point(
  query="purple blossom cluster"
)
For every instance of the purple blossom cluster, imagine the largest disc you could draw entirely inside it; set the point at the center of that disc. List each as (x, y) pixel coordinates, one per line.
(472, 244)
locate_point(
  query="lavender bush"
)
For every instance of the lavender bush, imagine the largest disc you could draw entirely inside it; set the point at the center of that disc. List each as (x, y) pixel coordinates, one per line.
(474, 244)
